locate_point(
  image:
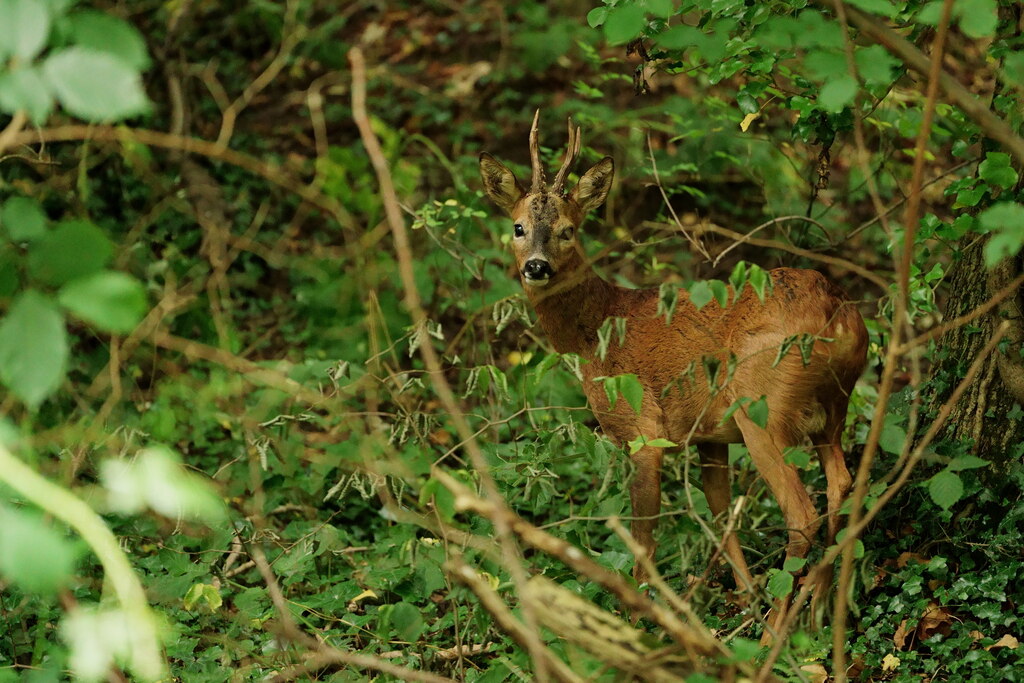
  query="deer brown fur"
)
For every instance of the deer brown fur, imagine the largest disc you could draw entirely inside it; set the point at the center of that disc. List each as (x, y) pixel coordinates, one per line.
(805, 401)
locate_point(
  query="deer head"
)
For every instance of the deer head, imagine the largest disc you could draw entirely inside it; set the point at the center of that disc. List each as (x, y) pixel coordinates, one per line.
(545, 220)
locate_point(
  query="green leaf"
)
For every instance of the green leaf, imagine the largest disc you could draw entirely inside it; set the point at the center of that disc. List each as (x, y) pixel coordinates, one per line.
(26, 24)
(25, 89)
(611, 389)
(996, 170)
(597, 16)
(203, 594)
(758, 279)
(1006, 220)
(757, 411)
(34, 555)
(700, 294)
(893, 435)
(74, 249)
(875, 64)
(978, 18)
(95, 86)
(945, 488)
(794, 564)
(116, 302)
(641, 442)
(156, 479)
(680, 37)
(858, 545)
(780, 584)
(623, 24)
(23, 219)
(837, 93)
(33, 348)
(106, 33)
(720, 291)
(743, 650)
(662, 9)
(632, 391)
(407, 620)
(884, 8)
(797, 456)
(738, 278)
(966, 462)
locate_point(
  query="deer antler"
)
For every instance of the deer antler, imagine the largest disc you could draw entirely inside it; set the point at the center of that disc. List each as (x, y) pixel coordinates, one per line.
(538, 170)
(571, 150)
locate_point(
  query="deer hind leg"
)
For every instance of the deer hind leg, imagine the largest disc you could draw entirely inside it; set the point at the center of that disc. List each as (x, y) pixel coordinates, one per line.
(715, 475)
(839, 483)
(783, 480)
(645, 496)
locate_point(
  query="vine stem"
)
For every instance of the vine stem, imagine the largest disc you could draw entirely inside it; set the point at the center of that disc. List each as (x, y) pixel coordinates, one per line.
(842, 607)
(146, 659)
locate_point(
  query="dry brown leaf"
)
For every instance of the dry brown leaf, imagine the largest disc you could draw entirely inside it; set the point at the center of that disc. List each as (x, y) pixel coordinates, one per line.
(900, 637)
(1006, 641)
(904, 559)
(936, 619)
(816, 673)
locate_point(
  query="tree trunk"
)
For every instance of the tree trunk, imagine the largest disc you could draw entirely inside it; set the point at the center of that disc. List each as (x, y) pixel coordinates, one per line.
(990, 413)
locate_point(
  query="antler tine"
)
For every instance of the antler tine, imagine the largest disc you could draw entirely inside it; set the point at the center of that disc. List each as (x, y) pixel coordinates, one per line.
(538, 170)
(571, 151)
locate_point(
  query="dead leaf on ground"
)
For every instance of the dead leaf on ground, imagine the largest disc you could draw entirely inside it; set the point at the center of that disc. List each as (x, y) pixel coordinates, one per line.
(900, 637)
(936, 619)
(1006, 641)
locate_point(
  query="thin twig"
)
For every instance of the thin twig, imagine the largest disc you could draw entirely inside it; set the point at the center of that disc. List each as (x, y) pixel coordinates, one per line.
(435, 372)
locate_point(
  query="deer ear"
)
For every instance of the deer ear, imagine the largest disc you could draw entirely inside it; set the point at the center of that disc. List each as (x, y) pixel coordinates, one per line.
(593, 187)
(500, 184)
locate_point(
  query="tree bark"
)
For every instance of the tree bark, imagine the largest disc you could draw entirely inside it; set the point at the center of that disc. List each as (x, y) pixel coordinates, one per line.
(989, 414)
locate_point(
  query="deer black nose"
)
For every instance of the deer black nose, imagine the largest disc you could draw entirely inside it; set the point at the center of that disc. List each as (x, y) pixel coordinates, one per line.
(537, 269)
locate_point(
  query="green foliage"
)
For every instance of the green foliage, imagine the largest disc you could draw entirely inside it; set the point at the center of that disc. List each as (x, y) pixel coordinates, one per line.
(749, 123)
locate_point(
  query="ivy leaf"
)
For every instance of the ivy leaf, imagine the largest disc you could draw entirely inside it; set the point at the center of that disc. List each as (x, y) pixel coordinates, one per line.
(95, 86)
(945, 488)
(623, 24)
(996, 170)
(116, 302)
(33, 348)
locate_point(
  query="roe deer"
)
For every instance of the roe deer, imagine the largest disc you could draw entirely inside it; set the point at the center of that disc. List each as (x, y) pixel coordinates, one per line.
(805, 397)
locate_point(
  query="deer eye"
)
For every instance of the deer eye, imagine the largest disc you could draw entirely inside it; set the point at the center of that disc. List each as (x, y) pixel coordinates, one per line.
(519, 232)
(566, 234)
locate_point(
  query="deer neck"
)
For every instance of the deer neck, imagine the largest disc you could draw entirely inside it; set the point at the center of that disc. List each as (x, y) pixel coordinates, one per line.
(572, 312)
